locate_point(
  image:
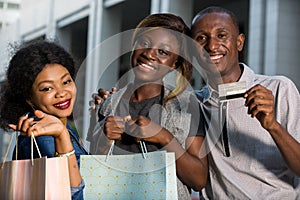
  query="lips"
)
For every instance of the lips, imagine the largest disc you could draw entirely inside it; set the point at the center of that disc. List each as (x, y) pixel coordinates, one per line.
(145, 67)
(216, 58)
(63, 104)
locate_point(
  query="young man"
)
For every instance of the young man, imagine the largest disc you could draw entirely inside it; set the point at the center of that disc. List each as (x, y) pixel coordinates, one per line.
(254, 149)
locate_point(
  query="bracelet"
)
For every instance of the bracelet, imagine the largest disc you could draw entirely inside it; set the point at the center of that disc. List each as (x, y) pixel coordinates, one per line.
(64, 154)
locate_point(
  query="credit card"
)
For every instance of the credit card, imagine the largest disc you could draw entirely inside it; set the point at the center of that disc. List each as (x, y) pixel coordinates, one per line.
(230, 91)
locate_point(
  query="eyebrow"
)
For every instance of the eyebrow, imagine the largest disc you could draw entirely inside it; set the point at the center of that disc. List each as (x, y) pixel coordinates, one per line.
(171, 49)
(50, 81)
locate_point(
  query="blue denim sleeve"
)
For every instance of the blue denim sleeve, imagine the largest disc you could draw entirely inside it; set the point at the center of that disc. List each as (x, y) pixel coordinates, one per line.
(45, 143)
(77, 192)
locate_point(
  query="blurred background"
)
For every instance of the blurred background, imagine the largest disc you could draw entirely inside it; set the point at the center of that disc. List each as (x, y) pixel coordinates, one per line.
(271, 27)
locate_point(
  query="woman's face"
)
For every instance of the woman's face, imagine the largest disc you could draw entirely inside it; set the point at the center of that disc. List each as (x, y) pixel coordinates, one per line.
(54, 91)
(155, 54)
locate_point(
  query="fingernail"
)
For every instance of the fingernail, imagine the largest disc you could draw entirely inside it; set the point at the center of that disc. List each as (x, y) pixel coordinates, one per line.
(26, 114)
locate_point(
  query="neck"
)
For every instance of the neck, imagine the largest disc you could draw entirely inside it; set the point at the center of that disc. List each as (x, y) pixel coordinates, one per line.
(146, 91)
(229, 77)
(64, 120)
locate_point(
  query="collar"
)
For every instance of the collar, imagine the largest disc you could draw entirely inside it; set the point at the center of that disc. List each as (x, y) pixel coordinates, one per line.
(207, 92)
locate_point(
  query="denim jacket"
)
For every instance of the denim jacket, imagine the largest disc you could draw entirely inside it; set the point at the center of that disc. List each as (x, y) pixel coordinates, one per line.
(47, 148)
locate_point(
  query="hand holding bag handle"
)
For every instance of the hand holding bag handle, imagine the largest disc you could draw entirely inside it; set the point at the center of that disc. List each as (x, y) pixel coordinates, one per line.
(35, 178)
(33, 140)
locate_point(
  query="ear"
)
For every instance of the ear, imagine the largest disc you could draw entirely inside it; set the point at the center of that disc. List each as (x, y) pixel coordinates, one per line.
(240, 42)
(176, 64)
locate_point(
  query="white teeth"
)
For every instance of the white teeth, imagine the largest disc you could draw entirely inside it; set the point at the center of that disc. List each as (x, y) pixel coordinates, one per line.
(216, 57)
(147, 66)
(62, 104)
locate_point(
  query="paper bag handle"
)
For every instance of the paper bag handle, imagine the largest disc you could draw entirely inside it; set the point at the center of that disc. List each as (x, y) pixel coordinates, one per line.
(33, 140)
(142, 144)
(6, 153)
(36, 145)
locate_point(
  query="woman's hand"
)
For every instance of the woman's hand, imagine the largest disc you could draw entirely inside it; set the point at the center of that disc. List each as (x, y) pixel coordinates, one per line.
(145, 129)
(46, 125)
(114, 127)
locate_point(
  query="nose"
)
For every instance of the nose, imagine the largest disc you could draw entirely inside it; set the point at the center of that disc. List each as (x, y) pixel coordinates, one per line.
(212, 44)
(60, 92)
(150, 53)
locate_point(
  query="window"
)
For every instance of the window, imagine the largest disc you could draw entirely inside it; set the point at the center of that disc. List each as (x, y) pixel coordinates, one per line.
(1, 4)
(13, 6)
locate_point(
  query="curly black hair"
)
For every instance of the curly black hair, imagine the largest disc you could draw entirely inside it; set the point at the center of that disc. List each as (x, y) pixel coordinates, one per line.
(28, 61)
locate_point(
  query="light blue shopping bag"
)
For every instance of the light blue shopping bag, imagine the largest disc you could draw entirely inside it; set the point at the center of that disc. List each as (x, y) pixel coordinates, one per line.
(132, 176)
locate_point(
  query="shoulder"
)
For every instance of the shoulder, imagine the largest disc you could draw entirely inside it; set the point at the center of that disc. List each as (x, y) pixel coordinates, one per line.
(276, 83)
(183, 99)
(272, 82)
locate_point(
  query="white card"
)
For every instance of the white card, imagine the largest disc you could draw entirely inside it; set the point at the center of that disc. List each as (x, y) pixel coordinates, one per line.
(231, 91)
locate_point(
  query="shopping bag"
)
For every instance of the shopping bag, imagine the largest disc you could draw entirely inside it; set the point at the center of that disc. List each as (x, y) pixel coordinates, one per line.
(40, 178)
(129, 176)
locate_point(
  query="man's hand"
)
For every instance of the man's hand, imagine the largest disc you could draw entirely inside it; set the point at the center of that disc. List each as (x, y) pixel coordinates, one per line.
(260, 103)
(97, 98)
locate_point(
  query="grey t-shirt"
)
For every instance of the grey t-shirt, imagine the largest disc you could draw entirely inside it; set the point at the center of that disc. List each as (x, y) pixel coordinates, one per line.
(151, 108)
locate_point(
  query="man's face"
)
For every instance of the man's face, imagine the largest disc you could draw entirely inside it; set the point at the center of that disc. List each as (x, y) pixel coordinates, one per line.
(218, 43)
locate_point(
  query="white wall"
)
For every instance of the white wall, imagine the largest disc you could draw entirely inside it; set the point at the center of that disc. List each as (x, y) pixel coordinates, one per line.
(33, 18)
(8, 37)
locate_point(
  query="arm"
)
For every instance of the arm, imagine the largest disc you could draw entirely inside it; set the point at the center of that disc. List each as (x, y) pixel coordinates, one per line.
(191, 164)
(99, 139)
(51, 126)
(260, 103)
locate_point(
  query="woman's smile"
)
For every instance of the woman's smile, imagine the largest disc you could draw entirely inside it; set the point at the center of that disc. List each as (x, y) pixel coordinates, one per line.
(62, 105)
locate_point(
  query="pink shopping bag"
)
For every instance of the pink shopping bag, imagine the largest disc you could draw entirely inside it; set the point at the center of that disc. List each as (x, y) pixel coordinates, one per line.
(40, 178)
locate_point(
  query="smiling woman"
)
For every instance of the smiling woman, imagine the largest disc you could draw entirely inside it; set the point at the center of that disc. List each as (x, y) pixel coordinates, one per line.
(37, 97)
(54, 91)
(155, 54)
(164, 116)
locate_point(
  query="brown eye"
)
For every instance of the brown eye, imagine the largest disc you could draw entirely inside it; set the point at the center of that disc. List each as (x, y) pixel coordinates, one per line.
(67, 82)
(163, 52)
(201, 38)
(221, 35)
(144, 43)
(46, 89)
